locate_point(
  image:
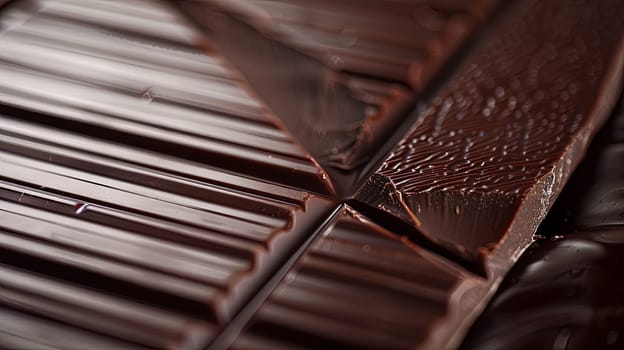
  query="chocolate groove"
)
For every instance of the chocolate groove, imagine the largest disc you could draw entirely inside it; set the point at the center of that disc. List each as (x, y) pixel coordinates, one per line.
(138, 199)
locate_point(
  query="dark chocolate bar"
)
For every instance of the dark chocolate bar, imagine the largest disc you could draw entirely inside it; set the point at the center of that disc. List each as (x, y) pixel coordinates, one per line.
(359, 286)
(484, 162)
(144, 195)
(398, 41)
(175, 185)
(565, 292)
(341, 118)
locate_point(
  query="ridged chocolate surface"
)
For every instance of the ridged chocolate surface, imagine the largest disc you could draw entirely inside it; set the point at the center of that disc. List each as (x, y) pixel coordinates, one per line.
(139, 202)
(360, 286)
(403, 41)
(562, 294)
(494, 148)
(168, 185)
(341, 118)
(129, 81)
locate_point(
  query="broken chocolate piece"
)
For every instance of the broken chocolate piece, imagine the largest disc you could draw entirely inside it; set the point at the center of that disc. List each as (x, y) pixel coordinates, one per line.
(565, 291)
(562, 294)
(149, 191)
(359, 286)
(482, 165)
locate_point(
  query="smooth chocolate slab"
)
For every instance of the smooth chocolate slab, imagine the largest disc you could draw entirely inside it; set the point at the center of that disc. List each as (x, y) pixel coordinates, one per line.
(483, 164)
(22, 331)
(562, 294)
(144, 194)
(359, 286)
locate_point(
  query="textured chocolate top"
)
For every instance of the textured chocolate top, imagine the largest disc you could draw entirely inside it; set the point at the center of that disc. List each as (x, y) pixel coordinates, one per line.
(565, 293)
(501, 139)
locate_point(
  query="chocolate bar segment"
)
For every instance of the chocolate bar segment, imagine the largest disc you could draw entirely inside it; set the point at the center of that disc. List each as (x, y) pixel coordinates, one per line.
(565, 291)
(344, 108)
(389, 40)
(562, 294)
(125, 84)
(145, 196)
(360, 286)
(484, 162)
(342, 120)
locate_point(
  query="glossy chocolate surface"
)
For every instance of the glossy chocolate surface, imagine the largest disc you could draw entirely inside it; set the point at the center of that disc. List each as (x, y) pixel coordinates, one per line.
(359, 286)
(138, 187)
(562, 294)
(341, 118)
(565, 292)
(485, 161)
(399, 41)
(177, 180)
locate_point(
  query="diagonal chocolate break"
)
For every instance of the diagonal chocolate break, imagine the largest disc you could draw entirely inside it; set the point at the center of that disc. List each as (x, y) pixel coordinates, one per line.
(482, 165)
(341, 120)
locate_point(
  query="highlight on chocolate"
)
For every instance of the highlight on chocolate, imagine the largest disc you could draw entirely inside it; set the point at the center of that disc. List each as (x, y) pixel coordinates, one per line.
(311, 174)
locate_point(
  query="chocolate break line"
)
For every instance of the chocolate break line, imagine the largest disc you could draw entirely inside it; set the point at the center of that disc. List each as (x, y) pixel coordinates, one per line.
(340, 120)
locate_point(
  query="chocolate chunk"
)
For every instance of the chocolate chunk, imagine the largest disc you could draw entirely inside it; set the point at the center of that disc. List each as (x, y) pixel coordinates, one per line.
(565, 294)
(484, 162)
(144, 195)
(562, 294)
(359, 286)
